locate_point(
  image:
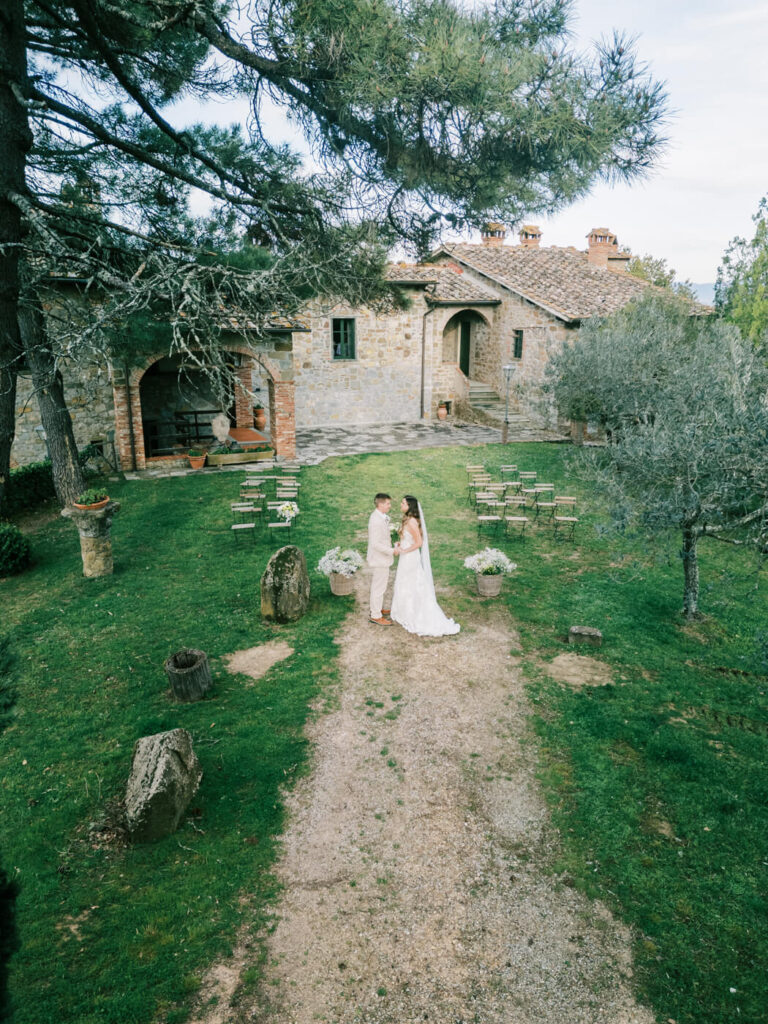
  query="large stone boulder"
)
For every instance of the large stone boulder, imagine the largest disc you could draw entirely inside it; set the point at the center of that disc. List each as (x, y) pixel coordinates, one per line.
(285, 585)
(165, 774)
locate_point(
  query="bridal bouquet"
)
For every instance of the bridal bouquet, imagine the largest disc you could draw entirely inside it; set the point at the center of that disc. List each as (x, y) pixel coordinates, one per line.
(489, 562)
(345, 563)
(288, 510)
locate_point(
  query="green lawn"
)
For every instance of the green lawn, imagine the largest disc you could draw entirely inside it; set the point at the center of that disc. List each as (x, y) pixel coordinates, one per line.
(659, 783)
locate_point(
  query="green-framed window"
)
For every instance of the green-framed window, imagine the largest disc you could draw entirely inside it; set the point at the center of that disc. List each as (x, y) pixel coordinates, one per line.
(518, 350)
(343, 337)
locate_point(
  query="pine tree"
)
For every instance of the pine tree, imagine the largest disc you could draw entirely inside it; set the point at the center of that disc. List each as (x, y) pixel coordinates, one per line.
(421, 115)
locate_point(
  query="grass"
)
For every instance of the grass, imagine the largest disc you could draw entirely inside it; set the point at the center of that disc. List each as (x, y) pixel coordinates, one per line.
(658, 783)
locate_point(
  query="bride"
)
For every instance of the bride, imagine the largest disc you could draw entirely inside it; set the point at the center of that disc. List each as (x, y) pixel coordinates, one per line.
(414, 605)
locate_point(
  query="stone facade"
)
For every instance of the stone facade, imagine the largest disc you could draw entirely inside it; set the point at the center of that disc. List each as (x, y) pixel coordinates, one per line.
(403, 364)
(88, 393)
(381, 384)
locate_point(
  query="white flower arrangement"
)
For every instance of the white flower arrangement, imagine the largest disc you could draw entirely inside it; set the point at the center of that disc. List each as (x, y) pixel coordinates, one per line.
(394, 527)
(346, 562)
(288, 510)
(489, 562)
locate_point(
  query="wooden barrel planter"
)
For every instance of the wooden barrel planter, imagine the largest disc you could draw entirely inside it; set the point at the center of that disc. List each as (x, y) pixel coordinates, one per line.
(489, 586)
(342, 585)
(189, 674)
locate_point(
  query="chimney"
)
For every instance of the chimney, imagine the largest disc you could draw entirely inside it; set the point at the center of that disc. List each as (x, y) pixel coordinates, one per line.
(493, 233)
(603, 246)
(530, 236)
(620, 262)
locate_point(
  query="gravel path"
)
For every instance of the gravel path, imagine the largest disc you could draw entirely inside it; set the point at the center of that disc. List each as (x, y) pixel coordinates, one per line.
(413, 864)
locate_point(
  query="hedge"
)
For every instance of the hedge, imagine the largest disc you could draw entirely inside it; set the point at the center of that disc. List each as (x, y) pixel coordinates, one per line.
(31, 485)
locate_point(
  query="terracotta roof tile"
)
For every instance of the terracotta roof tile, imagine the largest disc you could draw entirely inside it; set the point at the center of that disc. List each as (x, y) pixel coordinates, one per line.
(444, 282)
(562, 281)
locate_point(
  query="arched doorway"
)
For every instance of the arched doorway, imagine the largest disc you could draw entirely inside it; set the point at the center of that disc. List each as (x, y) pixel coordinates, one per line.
(465, 337)
(160, 413)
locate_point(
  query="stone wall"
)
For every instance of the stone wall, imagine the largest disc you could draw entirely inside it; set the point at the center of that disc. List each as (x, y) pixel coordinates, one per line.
(88, 393)
(380, 385)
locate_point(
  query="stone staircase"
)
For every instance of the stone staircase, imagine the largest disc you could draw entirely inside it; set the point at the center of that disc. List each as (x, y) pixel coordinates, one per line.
(483, 397)
(488, 408)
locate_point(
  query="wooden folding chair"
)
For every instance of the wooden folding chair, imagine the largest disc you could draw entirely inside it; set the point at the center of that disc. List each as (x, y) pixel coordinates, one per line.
(548, 507)
(520, 522)
(528, 476)
(243, 529)
(507, 471)
(492, 522)
(565, 501)
(567, 524)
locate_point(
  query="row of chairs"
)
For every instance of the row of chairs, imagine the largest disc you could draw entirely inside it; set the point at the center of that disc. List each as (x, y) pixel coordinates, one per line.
(254, 506)
(520, 494)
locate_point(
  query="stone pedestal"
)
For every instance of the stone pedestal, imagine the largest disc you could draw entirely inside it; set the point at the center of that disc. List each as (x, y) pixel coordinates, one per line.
(94, 527)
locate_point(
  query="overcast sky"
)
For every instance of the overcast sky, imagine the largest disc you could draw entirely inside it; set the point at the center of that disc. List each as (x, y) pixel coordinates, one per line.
(713, 55)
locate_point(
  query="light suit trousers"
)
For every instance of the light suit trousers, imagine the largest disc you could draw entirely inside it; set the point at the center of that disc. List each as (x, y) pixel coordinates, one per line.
(379, 581)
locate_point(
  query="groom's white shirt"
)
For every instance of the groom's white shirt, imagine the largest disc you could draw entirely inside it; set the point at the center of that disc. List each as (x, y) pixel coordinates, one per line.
(380, 553)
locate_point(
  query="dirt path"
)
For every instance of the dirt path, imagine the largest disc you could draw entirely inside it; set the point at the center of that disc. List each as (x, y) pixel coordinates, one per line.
(412, 863)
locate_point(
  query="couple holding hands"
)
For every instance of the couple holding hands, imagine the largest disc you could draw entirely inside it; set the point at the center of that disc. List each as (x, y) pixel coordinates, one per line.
(414, 605)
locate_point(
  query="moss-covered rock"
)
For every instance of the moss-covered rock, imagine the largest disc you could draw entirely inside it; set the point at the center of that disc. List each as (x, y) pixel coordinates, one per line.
(285, 586)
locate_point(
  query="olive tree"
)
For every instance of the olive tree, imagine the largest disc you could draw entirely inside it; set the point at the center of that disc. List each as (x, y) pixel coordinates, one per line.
(683, 399)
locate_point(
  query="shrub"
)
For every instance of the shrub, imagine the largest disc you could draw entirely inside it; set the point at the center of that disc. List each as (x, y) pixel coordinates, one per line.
(14, 550)
(29, 486)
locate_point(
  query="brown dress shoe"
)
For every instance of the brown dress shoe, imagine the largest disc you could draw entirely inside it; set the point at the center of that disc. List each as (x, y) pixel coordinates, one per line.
(381, 622)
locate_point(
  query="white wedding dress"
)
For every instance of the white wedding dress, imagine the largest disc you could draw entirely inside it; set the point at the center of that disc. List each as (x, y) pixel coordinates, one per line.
(414, 605)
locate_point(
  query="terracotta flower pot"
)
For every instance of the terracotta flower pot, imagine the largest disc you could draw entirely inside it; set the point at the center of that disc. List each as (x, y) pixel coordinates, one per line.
(442, 412)
(196, 461)
(259, 419)
(342, 585)
(489, 586)
(94, 507)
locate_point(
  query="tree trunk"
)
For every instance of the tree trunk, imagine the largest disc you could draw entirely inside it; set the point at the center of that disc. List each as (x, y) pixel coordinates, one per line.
(49, 388)
(189, 674)
(690, 572)
(17, 139)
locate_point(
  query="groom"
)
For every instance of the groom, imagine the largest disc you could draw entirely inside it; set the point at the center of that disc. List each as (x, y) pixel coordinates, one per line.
(380, 557)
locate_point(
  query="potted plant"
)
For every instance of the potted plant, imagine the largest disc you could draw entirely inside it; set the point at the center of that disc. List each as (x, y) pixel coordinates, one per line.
(490, 566)
(92, 499)
(196, 458)
(442, 410)
(340, 568)
(259, 416)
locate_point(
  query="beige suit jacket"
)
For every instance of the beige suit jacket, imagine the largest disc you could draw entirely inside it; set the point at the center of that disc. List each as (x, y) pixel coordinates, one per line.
(380, 551)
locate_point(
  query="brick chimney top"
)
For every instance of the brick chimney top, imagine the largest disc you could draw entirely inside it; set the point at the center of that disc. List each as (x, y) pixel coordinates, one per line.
(530, 236)
(603, 245)
(493, 233)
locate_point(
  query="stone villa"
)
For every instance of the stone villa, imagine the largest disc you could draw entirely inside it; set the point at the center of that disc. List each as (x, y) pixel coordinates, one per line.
(473, 309)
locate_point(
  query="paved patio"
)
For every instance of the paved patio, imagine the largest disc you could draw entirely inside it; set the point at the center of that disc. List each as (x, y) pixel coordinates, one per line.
(319, 443)
(312, 446)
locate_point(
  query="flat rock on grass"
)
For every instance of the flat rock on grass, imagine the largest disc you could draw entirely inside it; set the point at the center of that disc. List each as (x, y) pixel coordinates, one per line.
(257, 661)
(416, 868)
(579, 670)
